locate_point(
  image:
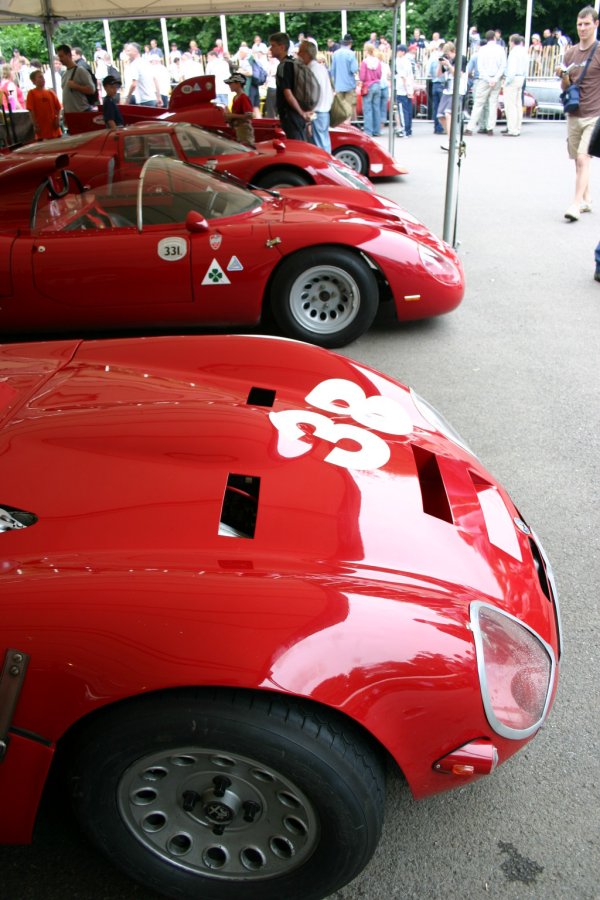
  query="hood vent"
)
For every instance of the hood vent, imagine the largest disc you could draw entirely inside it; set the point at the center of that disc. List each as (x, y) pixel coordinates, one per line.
(433, 491)
(261, 397)
(240, 506)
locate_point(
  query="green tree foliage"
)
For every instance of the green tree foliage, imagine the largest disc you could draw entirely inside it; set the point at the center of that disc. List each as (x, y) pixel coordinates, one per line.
(507, 15)
(29, 39)
(428, 15)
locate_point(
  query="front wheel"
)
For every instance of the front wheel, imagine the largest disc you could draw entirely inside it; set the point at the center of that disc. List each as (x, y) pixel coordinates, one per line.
(229, 794)
(282, 178)
(326, 296)
(353, 157)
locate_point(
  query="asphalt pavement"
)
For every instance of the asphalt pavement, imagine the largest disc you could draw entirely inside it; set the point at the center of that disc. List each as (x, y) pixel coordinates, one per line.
(516, 370)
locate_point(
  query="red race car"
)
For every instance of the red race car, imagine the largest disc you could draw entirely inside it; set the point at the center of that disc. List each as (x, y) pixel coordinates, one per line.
(238, 574)
(98, 155)
(191, 101)
(183, 246)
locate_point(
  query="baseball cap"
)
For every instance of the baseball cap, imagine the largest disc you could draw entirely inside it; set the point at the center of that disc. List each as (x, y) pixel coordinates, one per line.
(402, 48)
(110, 79)
(347, 39)
(236, 78)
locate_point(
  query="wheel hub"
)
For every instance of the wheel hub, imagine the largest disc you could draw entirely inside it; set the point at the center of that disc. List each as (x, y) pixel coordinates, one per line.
(325, 299)
(251, 823)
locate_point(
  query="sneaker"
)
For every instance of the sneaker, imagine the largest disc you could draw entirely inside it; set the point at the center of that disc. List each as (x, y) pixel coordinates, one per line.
(572, 214)
(585, 207)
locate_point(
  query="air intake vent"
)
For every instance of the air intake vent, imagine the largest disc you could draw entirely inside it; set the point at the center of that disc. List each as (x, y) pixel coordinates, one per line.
(541, 569)
(261, 397)
(240, 506)
(433, 491)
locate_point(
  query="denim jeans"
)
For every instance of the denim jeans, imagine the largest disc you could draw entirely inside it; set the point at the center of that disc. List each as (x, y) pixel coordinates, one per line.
(371, 110)
(407, 111)
(383, 105)
(320, 131)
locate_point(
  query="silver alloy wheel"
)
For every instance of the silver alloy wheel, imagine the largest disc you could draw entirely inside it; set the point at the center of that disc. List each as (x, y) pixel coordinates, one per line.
(352, 158)
(218, 814)
(324, 299)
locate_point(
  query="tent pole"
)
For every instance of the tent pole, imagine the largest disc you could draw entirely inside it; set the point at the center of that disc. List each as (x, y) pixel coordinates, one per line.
(107, 39)
(165, 37)
(391, 119)
(454, 148)
(224, 33)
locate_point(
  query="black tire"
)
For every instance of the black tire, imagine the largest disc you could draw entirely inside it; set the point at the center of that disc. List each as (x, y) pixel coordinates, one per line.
(325, 295)
(277, 178)
(299, 791)
(353, 157)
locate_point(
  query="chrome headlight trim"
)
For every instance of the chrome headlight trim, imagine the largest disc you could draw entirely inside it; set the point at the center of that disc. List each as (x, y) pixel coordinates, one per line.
(498, 726)
(437, 421)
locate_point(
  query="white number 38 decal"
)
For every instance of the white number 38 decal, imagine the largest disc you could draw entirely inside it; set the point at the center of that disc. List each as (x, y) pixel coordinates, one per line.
(342, 397)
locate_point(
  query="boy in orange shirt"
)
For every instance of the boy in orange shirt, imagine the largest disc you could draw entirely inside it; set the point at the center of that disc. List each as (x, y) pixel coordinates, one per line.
(44, 108)
(240, 116)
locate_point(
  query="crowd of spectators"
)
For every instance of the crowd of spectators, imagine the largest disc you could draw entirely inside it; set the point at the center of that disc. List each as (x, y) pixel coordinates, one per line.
(146, 75)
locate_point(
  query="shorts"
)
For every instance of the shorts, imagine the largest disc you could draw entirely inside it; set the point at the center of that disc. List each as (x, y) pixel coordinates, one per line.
(579, 132)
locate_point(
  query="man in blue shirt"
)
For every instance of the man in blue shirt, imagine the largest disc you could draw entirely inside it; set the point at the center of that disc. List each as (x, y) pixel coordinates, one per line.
(344, 67)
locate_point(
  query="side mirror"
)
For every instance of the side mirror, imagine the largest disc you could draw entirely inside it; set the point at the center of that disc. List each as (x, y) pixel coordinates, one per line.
(195, 222)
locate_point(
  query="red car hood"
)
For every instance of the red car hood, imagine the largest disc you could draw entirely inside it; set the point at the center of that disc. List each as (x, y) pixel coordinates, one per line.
(330, 203)
(123, 449)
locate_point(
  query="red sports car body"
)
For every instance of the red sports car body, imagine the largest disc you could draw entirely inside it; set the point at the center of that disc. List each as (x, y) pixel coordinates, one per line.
(191, 101)
(101, 156)
(182, 246)
(236, 574)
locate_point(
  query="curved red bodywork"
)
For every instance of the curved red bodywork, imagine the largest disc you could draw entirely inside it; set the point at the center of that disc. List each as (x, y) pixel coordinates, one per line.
(353, 589)
(191, 101)
(76, 272)
(120, 155)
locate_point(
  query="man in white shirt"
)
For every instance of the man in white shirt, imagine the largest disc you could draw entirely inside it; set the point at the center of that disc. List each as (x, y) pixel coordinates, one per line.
(219, 69)
(516, 73)
(319, 135)
(491, 64)
(141, 81)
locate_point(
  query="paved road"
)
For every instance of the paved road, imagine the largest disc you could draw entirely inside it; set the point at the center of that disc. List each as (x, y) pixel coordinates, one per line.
(516, 370)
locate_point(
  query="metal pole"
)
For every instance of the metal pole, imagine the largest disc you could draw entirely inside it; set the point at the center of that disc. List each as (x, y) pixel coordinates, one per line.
(165, 37)
(528, 16)
(392, 124)
(345, 22)
(48, 29)
(224, 33)
(454, 145)
(107, 39)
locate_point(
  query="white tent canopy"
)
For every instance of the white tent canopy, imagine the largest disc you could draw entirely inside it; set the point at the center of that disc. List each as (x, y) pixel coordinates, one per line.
(47, 11)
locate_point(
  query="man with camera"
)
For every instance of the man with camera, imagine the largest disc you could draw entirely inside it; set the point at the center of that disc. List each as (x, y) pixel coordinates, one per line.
(580, 123)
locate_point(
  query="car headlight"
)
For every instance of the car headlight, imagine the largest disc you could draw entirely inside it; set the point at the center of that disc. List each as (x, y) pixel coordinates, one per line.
(437, 421)
(349, 176)
(516, 671)
(438, 266)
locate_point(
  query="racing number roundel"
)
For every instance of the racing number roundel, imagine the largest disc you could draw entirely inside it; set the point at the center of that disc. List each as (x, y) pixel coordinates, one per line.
(342, 397)
(172, 248)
